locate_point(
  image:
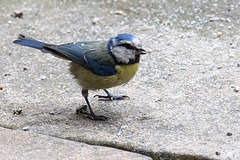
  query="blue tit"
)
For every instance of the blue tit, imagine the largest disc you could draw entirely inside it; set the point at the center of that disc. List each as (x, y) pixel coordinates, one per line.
(96, 64)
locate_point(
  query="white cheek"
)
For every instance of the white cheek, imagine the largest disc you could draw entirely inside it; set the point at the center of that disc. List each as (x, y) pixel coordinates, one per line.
(122, 54)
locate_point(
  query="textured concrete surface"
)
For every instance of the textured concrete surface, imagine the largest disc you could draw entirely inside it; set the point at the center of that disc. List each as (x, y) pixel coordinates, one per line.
(185, 98)
(29, 145)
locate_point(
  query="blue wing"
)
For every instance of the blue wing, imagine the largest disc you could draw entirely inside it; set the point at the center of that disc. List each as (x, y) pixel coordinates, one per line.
(93, 56)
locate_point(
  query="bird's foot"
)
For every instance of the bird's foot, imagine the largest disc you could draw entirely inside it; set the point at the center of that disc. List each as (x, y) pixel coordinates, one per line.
(98, 118)
(95, 117)
(83, 110)
(112, 97)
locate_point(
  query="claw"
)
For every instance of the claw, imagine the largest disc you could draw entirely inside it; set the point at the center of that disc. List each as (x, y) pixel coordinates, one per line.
(111, 98)
(99, 118)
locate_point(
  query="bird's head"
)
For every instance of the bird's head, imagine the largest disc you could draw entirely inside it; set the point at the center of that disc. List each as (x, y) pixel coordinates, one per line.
(126, 48)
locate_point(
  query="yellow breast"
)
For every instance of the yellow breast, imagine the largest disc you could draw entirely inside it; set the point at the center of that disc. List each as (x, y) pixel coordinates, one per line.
(87, 80)
(125, 73)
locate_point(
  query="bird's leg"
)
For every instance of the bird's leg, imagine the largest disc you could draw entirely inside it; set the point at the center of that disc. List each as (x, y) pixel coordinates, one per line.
(111, 97)
(92, 114)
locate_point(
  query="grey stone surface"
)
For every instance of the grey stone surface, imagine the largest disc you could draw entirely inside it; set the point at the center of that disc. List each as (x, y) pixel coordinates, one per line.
(29, 145)
(184, 100)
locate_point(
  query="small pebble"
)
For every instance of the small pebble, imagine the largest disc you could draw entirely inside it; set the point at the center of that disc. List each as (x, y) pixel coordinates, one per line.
(228, 20)
(236, 89)
(219, 34)
(1, 88)
(222, 19)
(43, 77)
(229, 134)
(25, 68)
(17, 14)
(17, 112)
(213, 19)
(95, 20)
(119, 12)
(217, 153)
(238, 65)
(26, 128)
(51, 113)
(7, 74)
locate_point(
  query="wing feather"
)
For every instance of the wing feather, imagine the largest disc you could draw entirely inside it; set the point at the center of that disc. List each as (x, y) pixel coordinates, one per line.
(93, 56)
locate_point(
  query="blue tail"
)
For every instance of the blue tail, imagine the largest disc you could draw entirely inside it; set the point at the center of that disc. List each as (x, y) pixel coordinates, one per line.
(30, 42)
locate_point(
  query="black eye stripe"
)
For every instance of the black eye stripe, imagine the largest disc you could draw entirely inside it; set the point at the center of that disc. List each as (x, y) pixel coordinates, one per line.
(128, 46)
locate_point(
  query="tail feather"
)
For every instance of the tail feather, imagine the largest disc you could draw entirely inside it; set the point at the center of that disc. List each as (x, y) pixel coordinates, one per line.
(30, 42)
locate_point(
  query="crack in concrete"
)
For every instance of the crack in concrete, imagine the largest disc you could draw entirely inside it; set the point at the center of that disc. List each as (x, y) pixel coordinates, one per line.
(154, 155)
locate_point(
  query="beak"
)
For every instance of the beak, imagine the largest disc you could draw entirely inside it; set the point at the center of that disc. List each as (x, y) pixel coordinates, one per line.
(142, 51)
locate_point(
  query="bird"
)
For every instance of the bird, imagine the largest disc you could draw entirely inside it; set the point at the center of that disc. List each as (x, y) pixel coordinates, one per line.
(96, 64)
